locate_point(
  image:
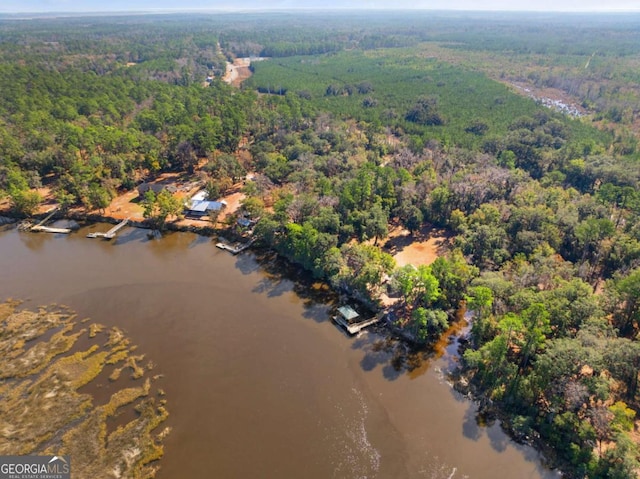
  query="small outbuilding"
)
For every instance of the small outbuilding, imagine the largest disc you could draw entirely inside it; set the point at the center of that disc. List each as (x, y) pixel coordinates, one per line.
(347, 317)
(245, 222)
(348, 313)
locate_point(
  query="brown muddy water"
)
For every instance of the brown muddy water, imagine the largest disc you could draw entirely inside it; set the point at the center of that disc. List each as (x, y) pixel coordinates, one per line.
(259, 382)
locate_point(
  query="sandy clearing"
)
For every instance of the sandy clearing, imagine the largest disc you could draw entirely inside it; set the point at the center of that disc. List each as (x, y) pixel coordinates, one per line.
(421, 248)
(233, 202)
(127, 205)
(237, 72)
(231, 74)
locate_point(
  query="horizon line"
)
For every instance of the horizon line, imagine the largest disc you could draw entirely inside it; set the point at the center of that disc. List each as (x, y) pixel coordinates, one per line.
(303, 9)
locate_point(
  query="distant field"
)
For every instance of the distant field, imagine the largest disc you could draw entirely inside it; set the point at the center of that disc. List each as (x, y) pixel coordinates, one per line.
(381, 86)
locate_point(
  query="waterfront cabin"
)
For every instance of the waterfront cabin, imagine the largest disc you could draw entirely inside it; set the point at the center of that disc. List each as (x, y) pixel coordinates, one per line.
(203, 208)
(347, 317)
(348, 314)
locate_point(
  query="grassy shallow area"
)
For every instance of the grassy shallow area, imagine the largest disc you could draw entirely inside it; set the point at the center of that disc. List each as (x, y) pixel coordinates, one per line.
(48, 360)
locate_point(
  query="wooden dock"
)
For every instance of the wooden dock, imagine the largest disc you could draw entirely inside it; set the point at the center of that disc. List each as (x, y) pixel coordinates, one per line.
(40, 226)
(355, 328)
(111, 233)
(47, 229)
(234, 249)
(50, 214)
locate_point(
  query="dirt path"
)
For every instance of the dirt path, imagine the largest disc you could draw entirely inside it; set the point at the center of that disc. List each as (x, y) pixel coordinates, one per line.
(237, 72)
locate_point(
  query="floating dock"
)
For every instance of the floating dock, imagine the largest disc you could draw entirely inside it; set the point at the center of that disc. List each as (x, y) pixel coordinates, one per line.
(234, 249)
(347, 318)
(111, 233)
(356, 327)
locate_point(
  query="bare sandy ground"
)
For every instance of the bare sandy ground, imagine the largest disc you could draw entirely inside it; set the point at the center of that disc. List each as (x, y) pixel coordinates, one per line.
(421, 248)
(128, 204)
(237, 72)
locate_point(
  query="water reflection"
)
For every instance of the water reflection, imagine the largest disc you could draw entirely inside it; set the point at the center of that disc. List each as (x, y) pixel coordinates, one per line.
(35, 241)
(129, 234)
(281, 277)
(396, 357)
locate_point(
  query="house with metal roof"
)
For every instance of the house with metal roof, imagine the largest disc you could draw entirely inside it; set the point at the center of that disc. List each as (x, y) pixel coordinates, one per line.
(203, 207)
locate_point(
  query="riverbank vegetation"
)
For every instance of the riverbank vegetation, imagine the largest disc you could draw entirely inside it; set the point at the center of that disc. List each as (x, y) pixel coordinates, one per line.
(523, 148)
(46, 406)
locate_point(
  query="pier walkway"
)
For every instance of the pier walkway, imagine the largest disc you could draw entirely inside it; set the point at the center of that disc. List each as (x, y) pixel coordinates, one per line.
(111, 233)
(40, 226)
(234, 249)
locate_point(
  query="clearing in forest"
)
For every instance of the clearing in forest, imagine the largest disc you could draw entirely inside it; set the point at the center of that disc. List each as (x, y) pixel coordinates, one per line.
(422, 247)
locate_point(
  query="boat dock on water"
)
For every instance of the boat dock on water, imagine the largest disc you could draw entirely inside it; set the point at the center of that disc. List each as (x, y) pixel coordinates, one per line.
(234, 249)
(111, 233)
(347, 318)
(40, 226)
(48, 229)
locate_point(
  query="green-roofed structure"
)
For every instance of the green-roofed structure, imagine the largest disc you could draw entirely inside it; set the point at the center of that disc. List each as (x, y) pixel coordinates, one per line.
(347, 318)
(348, 313)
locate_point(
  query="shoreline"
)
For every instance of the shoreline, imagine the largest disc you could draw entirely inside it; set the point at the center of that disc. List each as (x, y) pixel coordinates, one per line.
(489, 411)
(225, 235)
(6, 218)
(460, 380)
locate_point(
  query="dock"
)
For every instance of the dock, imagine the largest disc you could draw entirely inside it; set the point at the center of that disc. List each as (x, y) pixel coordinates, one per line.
(355, 328)
(234, 249)
(347, 316)
(50, 214)
(111, 233)
(40, 226)
(47, 229)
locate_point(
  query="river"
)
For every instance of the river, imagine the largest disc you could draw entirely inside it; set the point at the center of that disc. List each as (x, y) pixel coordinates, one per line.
(259, 382)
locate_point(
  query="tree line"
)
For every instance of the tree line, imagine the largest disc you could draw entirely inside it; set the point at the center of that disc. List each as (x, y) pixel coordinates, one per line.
(543, 209)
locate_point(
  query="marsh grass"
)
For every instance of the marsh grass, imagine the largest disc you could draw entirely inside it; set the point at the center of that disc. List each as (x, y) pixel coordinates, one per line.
(42, 412)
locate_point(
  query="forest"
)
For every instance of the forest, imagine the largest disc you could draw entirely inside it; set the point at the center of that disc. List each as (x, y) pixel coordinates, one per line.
(358, 123)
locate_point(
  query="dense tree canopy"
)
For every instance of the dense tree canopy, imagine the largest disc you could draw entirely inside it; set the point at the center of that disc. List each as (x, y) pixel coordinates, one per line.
(357, 126)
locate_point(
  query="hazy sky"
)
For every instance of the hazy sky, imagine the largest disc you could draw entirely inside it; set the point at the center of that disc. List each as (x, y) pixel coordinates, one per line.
(120, 5)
